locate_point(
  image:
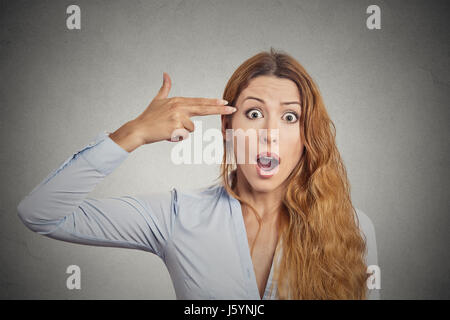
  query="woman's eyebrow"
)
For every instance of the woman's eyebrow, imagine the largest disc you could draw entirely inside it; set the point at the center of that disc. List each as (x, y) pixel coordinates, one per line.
(262, 101)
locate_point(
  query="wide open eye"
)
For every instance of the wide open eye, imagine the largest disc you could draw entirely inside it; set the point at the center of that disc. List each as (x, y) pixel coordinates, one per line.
(290, 117)
(253, 114)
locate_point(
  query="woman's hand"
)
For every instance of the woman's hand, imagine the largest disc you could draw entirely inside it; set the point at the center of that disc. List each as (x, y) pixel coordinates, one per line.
(167, 118)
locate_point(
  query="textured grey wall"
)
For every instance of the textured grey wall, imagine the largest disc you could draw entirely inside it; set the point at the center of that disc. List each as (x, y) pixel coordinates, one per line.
(386, 90)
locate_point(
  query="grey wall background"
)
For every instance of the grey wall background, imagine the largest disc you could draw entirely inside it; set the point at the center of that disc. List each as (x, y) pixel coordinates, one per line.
(386, 90)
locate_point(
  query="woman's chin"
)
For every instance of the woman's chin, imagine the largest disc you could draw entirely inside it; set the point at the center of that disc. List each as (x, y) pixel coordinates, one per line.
(261, 180)
(263, 186)
(264, 183)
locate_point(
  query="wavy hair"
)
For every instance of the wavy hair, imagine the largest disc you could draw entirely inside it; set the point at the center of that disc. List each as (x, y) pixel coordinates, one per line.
(323, 250)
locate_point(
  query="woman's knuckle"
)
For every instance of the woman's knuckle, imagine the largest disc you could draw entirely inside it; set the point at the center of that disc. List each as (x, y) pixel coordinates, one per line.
(175, 116)
(175, 99)
(174, 110)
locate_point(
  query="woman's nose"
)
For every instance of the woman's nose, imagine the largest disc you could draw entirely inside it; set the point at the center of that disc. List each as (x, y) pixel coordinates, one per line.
(270, 133)
(269, 136)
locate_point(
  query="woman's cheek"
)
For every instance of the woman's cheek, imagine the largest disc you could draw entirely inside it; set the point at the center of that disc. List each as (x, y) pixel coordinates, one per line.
(291, 145)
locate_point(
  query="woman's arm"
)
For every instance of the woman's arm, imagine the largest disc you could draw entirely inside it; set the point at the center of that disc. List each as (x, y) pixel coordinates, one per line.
(59, 207)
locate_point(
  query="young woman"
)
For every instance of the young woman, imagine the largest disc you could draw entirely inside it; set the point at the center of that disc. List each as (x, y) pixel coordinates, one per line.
(279, 227)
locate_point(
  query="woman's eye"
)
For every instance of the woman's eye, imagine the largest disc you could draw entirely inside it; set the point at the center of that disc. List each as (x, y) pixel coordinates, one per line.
(290, 116)
(253, 114)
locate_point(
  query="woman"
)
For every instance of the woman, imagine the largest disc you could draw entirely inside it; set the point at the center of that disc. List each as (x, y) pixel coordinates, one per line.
(279, 224)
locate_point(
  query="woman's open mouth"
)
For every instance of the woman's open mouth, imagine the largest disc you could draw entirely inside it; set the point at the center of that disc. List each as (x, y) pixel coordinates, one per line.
(267, 164)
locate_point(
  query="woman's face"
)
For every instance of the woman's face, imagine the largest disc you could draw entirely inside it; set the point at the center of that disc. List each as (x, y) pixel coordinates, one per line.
(269, 108)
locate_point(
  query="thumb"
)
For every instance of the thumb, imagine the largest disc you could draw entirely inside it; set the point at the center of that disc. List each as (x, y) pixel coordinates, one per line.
(165, 88)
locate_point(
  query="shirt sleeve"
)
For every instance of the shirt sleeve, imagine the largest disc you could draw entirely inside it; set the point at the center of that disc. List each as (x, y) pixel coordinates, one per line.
(368, 230)
(59, 207)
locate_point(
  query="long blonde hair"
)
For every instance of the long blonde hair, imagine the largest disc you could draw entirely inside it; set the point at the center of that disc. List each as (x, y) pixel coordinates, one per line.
(323, 249)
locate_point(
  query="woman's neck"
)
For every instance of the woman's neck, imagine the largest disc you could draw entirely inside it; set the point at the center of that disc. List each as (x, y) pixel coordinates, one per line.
(268, 204)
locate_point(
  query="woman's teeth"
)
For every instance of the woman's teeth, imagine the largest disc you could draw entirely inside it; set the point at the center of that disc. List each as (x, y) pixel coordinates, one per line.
(267, 163)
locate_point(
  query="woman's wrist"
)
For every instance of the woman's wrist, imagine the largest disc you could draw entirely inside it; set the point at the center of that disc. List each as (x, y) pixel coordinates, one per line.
(127, 137)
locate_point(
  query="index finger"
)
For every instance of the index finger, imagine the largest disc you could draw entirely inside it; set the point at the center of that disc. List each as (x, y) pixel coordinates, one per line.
(205, 110)
(201, 101)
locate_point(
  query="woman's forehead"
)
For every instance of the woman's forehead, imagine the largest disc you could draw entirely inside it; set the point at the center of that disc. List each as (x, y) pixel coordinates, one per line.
(270, 89)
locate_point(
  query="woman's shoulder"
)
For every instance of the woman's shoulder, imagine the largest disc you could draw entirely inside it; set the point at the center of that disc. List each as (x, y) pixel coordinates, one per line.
(198, 198)
(198, 207)
(176, 202)
(179, 194)
(365, 223)
(197, 195)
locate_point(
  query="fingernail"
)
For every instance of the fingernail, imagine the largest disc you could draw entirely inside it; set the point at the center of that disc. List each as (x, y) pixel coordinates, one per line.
(233, 109)
(224, 102)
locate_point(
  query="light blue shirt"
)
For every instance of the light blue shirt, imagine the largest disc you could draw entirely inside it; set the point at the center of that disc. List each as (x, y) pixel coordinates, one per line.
(199, 235)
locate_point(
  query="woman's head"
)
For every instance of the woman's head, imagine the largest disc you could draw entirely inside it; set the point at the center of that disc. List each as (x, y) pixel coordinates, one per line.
(323, 251)
(273, 77)
(268, 119)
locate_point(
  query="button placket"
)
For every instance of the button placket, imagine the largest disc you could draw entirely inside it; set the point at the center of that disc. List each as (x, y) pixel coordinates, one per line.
(244, 251)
